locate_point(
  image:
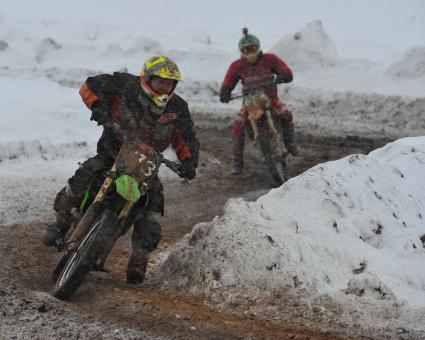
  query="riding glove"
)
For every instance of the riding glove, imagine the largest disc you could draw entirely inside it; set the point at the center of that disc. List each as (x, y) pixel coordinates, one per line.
(187, 168)
(224, 95)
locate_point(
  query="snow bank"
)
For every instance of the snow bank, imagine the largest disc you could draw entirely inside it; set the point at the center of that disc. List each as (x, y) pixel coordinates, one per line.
(311, 47)
(411, 65)
(358, 229)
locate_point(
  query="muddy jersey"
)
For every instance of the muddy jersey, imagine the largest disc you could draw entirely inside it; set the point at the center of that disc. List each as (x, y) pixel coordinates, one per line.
(123, 95)
(257, 76)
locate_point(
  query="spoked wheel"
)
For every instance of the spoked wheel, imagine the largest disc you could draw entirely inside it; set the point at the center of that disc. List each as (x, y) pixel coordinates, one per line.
(94, 248)
(59, 265)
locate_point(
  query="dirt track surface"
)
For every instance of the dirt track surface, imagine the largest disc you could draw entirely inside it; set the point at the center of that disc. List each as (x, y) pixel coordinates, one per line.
(107, 307)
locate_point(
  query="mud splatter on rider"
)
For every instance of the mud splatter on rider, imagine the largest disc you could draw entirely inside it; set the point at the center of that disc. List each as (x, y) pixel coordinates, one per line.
(148, 108)
(257, 71)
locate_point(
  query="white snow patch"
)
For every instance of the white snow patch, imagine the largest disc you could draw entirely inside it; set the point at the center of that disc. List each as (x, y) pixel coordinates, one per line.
(357, 228)
(411, 65)
(311, 47)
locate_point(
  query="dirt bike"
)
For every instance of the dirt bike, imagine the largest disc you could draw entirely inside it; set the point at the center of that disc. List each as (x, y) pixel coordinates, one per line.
(107, 217)
(265, 131)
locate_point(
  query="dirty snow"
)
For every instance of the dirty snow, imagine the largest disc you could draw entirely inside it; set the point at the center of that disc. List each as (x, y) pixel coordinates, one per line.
(355, 226)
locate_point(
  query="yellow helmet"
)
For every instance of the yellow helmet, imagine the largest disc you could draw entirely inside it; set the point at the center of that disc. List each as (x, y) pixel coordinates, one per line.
(163, 67)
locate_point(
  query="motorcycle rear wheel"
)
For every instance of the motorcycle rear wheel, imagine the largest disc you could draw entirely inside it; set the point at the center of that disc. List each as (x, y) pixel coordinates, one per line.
(94, 248)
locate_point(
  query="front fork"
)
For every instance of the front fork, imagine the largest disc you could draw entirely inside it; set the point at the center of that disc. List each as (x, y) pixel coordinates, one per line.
(91, 213)
(278, 148)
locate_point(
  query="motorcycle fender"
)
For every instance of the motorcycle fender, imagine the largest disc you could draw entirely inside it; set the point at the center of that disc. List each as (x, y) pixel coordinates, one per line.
(128, 188)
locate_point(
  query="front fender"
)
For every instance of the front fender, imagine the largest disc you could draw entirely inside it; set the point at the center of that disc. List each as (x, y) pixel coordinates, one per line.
(128, 188)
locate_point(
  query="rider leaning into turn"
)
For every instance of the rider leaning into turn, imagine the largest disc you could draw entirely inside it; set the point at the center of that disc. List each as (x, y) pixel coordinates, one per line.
(257, 71)
(145, 107)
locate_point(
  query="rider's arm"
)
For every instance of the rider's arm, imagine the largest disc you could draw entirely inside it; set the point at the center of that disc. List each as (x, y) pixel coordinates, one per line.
(95, 93)
(185, 126)
(281, 70)
(98, 88)
(100, 94)
(230, 80)
(179, 146)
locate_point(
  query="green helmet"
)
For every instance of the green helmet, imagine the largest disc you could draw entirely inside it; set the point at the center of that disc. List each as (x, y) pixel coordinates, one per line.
(249, 45)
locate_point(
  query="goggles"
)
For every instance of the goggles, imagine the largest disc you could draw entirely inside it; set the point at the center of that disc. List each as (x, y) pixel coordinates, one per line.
(250, 49)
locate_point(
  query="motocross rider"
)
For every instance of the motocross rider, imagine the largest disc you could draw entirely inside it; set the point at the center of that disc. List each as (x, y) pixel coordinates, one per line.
(145, 106)
(257, 71)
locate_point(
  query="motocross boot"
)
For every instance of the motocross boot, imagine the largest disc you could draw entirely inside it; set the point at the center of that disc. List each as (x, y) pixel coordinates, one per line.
(238, 146)
(56, 230)
(63, 204)
(289, 138)
(137, 264)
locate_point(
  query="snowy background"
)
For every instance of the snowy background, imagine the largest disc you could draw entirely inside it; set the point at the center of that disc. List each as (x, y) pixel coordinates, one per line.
(359, 69)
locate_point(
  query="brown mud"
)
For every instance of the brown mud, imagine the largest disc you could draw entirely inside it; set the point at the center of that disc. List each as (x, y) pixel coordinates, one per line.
(106, 298)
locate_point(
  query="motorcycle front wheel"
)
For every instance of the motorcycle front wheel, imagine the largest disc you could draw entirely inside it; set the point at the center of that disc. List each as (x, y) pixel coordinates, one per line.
(276, 166)
(93, 250)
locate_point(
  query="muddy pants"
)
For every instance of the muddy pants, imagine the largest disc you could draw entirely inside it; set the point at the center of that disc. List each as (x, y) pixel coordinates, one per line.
(92, 173)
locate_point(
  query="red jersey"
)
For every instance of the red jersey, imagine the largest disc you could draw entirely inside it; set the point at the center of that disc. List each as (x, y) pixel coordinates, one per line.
(258, 75)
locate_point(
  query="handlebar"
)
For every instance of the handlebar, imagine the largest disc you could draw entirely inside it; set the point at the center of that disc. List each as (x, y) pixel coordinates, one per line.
(236, 96)
(173, 166)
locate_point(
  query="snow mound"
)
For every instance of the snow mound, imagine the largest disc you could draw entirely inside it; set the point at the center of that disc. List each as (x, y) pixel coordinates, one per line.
(310, 47)
(358, 230)
(411, 65)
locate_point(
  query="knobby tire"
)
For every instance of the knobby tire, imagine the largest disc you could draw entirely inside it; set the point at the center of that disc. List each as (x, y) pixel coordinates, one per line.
(94, 248)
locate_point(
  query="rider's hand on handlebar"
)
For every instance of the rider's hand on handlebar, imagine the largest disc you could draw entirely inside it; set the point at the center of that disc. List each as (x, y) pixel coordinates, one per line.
(225, 95)
(282, 78)
(187, 168)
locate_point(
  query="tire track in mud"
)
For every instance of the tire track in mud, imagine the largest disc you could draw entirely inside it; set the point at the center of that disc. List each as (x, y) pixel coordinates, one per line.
(106, 299)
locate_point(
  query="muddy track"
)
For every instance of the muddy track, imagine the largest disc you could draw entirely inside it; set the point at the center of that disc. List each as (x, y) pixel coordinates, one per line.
(106, 298)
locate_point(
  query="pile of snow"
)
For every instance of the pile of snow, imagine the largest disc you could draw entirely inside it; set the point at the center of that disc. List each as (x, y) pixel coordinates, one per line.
(411, 65)
(357, 228)
(311, 47)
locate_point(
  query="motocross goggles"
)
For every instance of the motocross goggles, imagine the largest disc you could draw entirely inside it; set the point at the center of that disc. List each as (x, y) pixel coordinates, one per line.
(250, 49)
(250, 53)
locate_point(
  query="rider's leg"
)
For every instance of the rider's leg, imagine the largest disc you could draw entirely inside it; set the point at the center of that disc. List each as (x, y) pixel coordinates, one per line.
(63, 204)
(289, 137)
(146, 231)
(238, 148)
(70, 197)
(238, 142)
(286, 120)
(145, 238)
